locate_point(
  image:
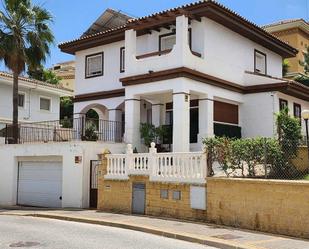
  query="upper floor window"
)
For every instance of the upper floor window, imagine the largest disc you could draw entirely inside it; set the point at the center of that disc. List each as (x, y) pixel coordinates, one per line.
(122, 59)
(45, 104)
(167, 41)
(94, 65)
(282, 104)
(260, 60)
(297, 111)
(21, 100)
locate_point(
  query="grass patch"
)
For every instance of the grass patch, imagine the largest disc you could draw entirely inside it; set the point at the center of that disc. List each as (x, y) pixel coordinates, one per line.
(306, 177)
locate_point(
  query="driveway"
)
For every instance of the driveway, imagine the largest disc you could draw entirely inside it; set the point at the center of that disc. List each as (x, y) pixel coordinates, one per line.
(30, 232)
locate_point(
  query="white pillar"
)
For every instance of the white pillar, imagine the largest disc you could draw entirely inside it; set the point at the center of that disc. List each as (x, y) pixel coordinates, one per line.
(181, 122)
(182, 34)
(206, 118)
(156, 114)
(132, 122)
(114, 115)
(115, 125)
(130, 48)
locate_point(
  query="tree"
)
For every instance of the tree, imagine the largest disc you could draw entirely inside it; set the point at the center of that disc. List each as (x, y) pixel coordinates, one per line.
(302, 79)
(285, 67)
(305, 62)
(45, 75)
(66, 108)
(25, 38)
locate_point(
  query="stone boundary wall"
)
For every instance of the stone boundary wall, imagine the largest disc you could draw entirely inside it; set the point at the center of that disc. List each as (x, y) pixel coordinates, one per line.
(273, 206)
(116, 196)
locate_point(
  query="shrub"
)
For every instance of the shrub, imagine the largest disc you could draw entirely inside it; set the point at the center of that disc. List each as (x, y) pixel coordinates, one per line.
(90, 133)
(243, 154)
(150, 133)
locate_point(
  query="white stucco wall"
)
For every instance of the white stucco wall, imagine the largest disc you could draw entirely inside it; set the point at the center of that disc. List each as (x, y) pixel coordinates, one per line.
(76, 177)
(209, 38)
(110, 79)
(213, 41)
(31, 111)
(257, 114)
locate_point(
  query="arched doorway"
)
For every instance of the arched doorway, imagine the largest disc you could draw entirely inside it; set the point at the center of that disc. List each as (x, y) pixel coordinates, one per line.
(94, 122)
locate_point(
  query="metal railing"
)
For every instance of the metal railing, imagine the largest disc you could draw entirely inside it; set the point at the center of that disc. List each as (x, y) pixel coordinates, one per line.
(83, 129)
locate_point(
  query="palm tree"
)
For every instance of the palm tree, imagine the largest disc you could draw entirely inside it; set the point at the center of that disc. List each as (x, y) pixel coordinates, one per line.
(25, 38)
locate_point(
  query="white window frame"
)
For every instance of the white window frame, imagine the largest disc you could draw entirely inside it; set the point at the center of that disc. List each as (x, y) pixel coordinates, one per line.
(164, 37)
(24, 104)
(98, 74)
(263, 55)
(50, 103)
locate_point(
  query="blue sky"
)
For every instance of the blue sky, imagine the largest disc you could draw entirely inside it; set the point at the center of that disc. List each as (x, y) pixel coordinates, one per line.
(73, 17)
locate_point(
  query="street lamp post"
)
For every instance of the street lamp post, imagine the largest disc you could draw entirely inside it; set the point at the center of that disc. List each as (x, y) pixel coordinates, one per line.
(305, 116)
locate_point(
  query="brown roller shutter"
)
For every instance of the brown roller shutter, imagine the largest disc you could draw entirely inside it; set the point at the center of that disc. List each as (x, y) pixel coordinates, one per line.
(225, 112)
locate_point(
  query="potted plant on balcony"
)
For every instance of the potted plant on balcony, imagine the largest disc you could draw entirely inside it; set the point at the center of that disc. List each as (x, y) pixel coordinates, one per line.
(150, 133)
(90, 134)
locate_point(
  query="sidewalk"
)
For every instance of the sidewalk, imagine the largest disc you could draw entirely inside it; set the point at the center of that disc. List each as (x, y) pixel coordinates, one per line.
(212, 235)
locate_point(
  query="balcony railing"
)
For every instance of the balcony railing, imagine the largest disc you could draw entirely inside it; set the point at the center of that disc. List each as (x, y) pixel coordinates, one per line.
(188, 167)
(83, 129)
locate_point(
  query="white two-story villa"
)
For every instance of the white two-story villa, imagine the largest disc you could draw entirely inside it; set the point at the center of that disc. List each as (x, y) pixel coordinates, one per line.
(200, 68)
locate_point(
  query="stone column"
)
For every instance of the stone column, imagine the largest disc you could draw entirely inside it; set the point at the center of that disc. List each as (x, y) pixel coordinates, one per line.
(181, 122)
(132, 122)
(156, 114)
(206, 117)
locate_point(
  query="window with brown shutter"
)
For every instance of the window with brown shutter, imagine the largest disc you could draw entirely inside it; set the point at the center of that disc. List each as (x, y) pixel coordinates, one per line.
(225, 112)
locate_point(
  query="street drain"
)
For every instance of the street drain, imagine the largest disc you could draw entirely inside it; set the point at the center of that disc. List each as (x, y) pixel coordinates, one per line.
(25, 244)
(226, 236)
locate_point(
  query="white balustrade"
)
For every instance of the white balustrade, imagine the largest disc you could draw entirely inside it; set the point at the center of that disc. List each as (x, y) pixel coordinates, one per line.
(179, 167)
(116, 167)
(165, 167)
(140, 164)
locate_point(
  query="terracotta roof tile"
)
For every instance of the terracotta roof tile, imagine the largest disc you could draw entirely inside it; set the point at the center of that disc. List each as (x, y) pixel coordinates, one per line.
(33, 81)
(273, 37)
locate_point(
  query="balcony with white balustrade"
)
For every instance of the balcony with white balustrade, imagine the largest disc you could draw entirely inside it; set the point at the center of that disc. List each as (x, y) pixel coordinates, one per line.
(160, 167)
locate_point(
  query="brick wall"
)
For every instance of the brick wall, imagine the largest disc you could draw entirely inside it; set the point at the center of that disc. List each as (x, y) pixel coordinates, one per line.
(116, 196)
(169, 207)
(266, 205)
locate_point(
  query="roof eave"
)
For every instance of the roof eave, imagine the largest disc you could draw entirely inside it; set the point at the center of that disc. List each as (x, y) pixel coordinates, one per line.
(212, 10)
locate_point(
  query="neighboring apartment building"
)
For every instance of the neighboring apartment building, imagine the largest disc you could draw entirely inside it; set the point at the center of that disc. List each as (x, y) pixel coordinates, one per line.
(200, 68)
(37, 101)
(66, 71)
(295, 33)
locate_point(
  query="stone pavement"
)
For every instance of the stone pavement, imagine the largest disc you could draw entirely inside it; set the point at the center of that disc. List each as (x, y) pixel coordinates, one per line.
(209, 234)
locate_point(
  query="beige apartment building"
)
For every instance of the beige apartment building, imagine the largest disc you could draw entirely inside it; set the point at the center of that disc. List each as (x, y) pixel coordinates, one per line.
(66, 71)
(296, 33)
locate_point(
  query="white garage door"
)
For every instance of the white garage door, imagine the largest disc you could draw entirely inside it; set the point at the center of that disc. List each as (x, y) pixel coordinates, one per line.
(40, 184)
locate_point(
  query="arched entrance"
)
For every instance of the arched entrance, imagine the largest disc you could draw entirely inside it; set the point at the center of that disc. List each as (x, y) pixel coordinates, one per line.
(95, 124)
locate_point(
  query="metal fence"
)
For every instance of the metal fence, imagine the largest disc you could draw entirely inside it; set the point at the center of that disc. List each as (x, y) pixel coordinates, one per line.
(84, 129)
(265, 160)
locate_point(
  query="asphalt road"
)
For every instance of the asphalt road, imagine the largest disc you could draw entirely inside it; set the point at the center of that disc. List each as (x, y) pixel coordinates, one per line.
(29, 232)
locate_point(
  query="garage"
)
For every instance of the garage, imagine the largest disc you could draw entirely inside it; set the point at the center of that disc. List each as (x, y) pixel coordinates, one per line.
(40, 184)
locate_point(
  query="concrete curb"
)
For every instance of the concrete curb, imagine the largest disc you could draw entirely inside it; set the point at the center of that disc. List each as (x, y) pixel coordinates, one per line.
(204, 240)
